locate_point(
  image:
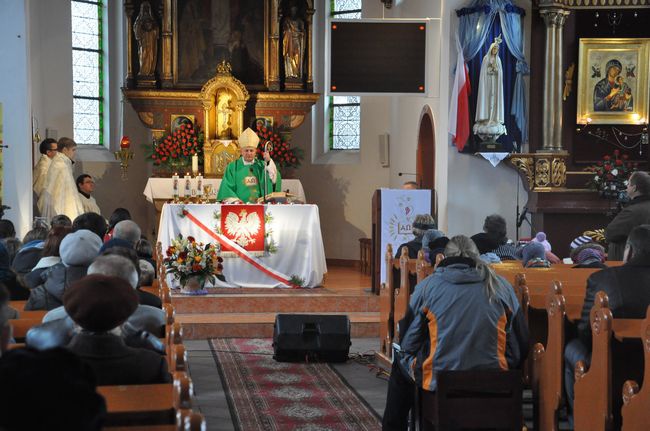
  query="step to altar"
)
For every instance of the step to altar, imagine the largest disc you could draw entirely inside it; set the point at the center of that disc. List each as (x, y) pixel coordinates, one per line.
(254, 325)
(249, 300)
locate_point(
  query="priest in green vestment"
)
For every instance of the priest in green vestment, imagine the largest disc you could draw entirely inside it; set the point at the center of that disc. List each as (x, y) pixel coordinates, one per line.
(244, 179)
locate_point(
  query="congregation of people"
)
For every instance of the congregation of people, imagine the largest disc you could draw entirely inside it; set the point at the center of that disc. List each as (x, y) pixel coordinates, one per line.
(464, 316)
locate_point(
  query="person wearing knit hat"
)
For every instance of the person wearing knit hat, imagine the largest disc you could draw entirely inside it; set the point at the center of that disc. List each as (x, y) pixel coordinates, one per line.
(99, 304)
(77, 250)
(541, 238)
(533, 255)
(582, 239)
(421, 224)
(249, 178)
(589, 255)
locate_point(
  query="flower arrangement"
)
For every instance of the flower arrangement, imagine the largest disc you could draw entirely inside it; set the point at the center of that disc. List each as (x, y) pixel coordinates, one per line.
(187, 259)
(176, 149)
(611, 175)
(282, 154)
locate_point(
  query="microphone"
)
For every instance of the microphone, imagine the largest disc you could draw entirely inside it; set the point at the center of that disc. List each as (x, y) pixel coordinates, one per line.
(399, 174)
(522, 217)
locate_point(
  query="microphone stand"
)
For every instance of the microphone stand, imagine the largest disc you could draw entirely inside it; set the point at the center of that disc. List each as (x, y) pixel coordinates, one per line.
(265, 173)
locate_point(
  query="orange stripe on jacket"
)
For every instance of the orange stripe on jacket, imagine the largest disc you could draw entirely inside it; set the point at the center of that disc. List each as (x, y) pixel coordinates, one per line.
(427, 365)
(501, 341)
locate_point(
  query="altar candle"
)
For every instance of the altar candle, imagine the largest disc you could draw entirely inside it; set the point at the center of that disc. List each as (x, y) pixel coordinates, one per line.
(188, 185)
(199, 185)
(175, 185)
(195, 164)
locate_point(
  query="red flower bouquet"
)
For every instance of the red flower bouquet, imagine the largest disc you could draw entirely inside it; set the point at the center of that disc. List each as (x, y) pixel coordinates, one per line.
(281, 152)
(611, 175)
(176, 149)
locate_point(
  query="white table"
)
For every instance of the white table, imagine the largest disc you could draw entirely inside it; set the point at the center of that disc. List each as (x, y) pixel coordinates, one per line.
(161, 188)
(296, 231)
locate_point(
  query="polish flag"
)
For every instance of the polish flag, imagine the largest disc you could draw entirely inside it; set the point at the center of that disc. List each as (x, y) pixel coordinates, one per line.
(459, 107)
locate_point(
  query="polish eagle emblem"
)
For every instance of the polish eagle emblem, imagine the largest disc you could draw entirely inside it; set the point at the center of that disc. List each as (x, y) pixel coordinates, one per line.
(243, 227)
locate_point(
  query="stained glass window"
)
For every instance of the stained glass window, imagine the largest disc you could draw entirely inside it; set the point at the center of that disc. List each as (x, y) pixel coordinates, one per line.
(87, 76)
(345, 111)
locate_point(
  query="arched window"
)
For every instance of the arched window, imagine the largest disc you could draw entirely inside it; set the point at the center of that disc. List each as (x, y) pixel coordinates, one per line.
(87, 72)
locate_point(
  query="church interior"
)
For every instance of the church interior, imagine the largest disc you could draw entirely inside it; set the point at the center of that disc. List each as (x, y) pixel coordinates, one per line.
(518, 113)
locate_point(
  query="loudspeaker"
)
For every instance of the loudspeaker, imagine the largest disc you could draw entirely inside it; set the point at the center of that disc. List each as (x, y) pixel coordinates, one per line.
(384, 149)
(311, 337)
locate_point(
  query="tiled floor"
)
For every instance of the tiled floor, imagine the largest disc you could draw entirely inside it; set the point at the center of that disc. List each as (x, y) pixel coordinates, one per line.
(210, 398)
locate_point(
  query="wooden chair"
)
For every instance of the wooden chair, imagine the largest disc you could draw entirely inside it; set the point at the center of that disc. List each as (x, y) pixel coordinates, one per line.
(636, 402)
(548, 364)
(592, 407)
(365, 255)
(476, 399)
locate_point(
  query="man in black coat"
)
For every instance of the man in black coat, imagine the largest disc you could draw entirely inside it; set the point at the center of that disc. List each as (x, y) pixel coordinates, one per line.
(628, 290)
(636, 213)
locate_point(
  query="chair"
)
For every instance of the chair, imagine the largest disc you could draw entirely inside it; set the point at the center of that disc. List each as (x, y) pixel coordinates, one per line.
(473, 399)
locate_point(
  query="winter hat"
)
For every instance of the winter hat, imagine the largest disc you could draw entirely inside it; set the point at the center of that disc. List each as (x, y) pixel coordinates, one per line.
(484, 242)
(430, 236)
(533, 250)
(99, 303)
(79, 248)
(588, 254)
(590, 245)
(541, 238)
(582, 239)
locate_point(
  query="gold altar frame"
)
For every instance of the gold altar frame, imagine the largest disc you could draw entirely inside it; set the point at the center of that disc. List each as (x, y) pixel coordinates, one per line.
(594, 53)
(267, 21)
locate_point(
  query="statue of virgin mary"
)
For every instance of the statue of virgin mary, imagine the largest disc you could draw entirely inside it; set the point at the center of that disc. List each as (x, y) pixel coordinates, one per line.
(489, 104)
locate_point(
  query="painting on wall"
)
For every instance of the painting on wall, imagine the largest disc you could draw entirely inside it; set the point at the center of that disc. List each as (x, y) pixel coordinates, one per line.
(613, 81)
(207, 32)
(177, 119)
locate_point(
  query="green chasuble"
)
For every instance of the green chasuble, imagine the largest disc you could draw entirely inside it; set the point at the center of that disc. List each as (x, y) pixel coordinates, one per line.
(236, 185)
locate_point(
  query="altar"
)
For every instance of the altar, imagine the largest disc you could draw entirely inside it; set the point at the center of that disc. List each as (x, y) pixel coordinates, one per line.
(161, 188)
(299, 256)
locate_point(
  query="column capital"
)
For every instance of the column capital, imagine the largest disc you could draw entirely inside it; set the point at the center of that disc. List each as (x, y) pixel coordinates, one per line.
(554, 16)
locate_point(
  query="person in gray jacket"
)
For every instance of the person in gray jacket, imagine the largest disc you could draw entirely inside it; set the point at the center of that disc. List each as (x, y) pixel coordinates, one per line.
(636, 213)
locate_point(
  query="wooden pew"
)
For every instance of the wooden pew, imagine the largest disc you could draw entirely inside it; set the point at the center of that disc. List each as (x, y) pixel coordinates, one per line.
(147, 404)
(593, 404)
(186, 420)
(548, 364)
(403, 291)
(21, 326)
(636, 402)
(386, 308)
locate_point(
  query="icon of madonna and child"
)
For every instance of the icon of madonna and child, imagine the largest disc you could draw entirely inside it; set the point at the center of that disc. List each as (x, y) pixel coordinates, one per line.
(613, 93)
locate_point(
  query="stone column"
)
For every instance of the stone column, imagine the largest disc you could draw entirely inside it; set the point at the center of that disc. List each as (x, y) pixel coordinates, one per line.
(554, 19)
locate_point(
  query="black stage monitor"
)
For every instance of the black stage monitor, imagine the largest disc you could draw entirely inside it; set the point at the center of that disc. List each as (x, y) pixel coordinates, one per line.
(378, 56)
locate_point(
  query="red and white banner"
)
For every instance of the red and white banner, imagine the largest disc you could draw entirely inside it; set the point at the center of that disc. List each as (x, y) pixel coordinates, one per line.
(243, 225)
(459, 105)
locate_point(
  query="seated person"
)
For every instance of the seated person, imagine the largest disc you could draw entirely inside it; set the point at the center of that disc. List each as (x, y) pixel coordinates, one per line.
(479, 325)
(99, 304)
(49, 390)
(50, 257)
(31, 250)
(494, 238)
(244, 179)
(421, 224)
(533, 255)
(589, 255)
(92, 222)
(628, 290)
(9, 278)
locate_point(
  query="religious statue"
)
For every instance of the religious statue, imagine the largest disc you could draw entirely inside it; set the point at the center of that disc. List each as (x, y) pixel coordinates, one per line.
(146, 32)
(293, 44)
(612, 93)
(224, 114)
(489, 104)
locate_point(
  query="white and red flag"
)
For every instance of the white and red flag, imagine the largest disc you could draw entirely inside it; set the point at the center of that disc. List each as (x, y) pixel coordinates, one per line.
(459, 106)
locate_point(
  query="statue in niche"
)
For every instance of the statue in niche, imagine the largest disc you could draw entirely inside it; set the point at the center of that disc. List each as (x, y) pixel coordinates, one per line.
(489, 104)
(224, 115)
(293, 44)
(146, 32)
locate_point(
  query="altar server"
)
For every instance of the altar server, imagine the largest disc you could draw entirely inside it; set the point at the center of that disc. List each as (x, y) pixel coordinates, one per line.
(243, 180)
(60, 195)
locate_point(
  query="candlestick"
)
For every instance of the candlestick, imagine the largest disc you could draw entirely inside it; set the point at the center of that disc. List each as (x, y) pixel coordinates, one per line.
(188, 185)
(195, 164)
(199, 185)
(175, 186)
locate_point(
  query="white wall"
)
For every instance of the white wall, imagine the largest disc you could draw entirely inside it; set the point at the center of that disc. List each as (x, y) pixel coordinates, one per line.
(14, 96)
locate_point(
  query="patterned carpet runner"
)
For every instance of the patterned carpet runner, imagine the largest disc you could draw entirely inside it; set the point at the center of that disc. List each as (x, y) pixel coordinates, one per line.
(267, 395)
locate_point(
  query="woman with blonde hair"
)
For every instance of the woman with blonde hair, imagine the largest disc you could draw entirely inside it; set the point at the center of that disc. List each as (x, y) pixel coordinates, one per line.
(464, 316)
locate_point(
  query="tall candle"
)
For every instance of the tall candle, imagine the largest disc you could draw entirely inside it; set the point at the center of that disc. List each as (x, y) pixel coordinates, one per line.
(188, 185)
(195, 164)
(175, 186)
(199, 185)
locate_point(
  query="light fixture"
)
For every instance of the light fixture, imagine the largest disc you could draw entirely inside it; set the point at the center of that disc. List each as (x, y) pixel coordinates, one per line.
(124, 155)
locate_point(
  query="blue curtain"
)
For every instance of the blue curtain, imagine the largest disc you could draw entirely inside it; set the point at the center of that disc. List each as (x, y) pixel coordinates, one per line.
(479, 24)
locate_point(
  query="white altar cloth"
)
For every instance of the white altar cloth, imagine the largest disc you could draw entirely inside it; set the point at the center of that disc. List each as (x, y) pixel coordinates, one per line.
(296, 231)
(161, 188)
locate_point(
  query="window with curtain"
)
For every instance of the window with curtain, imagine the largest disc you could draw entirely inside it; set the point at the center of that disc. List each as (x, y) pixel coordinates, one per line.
(87, 72)
(345, 111)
